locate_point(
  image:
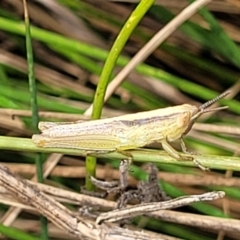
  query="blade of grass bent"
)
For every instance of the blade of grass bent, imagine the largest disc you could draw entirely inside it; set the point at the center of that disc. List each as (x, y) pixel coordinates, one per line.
(114, 53)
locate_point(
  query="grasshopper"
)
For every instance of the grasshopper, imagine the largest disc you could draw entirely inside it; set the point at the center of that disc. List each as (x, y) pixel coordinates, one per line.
(127, 132)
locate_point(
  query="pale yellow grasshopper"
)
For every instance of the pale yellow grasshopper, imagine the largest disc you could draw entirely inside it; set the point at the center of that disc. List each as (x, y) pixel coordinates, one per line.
(127, 132)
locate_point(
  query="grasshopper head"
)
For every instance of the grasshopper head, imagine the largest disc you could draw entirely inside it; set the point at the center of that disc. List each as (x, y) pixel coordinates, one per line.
(196, 112)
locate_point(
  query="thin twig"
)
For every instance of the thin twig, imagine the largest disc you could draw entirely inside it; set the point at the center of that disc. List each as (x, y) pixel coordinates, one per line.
(12, 213)
(165, 215)
(130, 212)
(30, 194)
(61, 216)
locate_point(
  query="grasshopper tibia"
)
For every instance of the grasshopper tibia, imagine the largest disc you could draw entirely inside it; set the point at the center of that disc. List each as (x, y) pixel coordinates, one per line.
(176, 155)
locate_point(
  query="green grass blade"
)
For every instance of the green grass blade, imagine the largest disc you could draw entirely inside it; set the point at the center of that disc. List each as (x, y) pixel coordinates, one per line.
(224, 43)
(214, 39)
(180, 83)
(141, 155)
(34, 109)
(16, 234)
(114, 53)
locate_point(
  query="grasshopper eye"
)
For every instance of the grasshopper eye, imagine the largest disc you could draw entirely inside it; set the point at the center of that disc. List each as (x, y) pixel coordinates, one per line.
(183, 119)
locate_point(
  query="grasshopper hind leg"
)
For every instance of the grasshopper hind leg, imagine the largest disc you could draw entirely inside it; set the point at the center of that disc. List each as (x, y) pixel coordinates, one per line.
(128, 156)
(95, 152)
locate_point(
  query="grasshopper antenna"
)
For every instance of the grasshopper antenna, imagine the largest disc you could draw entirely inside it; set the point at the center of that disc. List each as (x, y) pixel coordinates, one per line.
(209, 103)
(202, 109)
